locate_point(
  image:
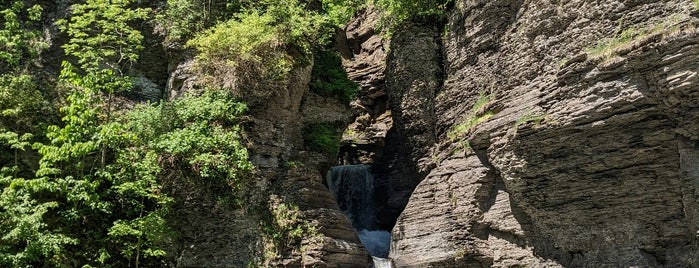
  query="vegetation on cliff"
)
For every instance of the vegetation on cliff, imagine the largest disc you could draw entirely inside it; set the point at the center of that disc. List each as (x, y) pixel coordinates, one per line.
(88, 182)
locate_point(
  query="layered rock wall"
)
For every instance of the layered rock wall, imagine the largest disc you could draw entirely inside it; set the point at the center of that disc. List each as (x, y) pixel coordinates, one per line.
(589, 158)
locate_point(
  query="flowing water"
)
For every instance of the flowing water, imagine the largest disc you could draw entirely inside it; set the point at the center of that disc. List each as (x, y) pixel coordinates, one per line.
(382, 262)
(353, 189)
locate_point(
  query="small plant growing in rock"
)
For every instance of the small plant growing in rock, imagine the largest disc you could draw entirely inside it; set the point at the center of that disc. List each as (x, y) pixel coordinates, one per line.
(477, 115)
(527, 117)
(286, 229)
(293, 164)
(607, 48)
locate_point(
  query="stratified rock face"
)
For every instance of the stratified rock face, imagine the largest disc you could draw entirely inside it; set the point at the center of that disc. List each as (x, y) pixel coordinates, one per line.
(591, 158)
(413, 77)
(364, 59)
(394, 110)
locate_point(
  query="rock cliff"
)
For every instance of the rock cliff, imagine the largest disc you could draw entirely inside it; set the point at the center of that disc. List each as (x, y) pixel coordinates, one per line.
(518, 134)
(286, 173)
(566, 135)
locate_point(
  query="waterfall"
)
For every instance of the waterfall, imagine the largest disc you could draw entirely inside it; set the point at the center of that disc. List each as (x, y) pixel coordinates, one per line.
(353, 189)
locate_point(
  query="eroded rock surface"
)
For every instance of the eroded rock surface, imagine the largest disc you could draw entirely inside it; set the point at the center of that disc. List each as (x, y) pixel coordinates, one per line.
(589, 159)
(286, 173)
(363, 53)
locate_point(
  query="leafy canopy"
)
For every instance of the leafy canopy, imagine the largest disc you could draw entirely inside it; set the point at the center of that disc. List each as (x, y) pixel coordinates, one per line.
(100, 33)
(17, 38)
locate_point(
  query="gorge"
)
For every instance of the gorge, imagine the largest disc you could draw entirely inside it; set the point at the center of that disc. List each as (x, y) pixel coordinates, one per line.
(473, 133)
(536, 134)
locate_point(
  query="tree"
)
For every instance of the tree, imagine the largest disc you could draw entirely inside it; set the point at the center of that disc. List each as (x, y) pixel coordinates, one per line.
(20, 46)
(94, 200)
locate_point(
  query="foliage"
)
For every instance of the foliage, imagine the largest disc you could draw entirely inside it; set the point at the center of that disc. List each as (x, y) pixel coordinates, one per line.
(257, 48)
(339, 12)
(95, 199)
(27, 239)
(100, 34)
(74, 199)
(200, 136)
(250, 47)
(84, 209)
(322, 137)
(296, 27)
(330, 79)
(182, 19)
(285, 229)
(21, 104)
(95, 191)
(287, 220)
(477, 115)
(17, 40)
(398, 12)
(248, 39)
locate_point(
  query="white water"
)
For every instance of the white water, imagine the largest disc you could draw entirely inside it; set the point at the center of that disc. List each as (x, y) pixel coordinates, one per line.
(382, 262)
(353, 189)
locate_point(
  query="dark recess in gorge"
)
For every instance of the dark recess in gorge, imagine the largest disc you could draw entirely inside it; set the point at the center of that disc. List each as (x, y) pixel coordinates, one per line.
(394, 118)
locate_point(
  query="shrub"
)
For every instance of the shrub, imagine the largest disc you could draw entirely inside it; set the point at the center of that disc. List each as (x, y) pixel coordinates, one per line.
(181, 19)
(254, 51)
(398, 12)
(330, 79)
(22, 105)
(246, 54)
(17, 39)
(322, 137)
(199, 134)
